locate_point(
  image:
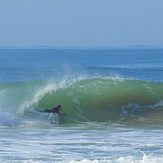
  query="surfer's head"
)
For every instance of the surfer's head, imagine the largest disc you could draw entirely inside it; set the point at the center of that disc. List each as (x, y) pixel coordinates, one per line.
(59, 107)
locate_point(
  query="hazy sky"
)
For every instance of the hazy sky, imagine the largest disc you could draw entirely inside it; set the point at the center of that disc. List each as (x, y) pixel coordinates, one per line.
(81, 22)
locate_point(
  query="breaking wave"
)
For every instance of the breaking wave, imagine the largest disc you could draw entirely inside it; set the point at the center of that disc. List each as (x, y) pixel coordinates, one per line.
(98, 99)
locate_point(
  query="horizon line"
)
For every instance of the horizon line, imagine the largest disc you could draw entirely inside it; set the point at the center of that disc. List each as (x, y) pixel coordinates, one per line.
(77, 47)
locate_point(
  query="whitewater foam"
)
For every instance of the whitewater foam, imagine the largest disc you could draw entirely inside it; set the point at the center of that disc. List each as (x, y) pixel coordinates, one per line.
(128, 159)
(7, 119)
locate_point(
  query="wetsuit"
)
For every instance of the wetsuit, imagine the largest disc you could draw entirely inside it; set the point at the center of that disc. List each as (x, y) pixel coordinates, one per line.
(53, 110)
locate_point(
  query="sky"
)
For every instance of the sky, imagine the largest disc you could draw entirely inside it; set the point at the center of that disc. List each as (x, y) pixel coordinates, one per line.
(81, 22)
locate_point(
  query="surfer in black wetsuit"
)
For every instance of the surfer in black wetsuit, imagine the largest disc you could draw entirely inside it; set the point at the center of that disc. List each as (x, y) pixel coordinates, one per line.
(55, 110)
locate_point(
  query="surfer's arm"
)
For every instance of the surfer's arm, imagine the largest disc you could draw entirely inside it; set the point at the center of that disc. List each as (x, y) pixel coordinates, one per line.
(42, 111)
(37, 110)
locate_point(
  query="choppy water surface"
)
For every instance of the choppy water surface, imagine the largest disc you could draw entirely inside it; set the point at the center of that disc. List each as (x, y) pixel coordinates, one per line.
(89, 142)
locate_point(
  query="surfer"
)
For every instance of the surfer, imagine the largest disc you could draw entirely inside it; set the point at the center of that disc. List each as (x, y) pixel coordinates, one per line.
(54, 110)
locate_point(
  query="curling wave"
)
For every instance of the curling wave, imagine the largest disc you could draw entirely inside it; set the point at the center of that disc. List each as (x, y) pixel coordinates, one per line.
(85, 99)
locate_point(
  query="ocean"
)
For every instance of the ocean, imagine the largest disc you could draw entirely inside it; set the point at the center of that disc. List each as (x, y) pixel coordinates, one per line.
(113, 98)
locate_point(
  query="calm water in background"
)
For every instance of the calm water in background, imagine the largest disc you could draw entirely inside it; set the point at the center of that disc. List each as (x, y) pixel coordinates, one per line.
(113, 98)
(39, 64)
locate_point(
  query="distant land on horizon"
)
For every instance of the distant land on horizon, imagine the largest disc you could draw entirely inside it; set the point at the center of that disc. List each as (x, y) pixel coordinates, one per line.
(79, 47)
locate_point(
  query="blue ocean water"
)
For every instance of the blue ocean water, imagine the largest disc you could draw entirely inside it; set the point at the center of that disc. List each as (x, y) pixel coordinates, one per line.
(112, 98)
(40, 64)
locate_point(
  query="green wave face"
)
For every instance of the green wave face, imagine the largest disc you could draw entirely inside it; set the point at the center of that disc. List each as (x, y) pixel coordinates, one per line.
(104, 99)
(89, 99)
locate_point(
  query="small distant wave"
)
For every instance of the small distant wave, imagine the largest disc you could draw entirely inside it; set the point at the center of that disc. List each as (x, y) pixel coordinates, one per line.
(133, 66)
